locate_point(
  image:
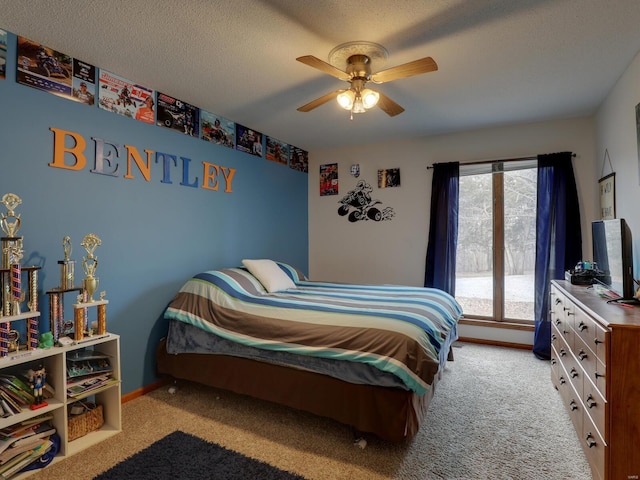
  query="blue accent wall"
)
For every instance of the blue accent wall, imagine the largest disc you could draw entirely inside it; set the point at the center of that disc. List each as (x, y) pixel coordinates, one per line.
(154, 235)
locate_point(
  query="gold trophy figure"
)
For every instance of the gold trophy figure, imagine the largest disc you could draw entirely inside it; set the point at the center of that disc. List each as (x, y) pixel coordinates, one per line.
(11, 201)
(90, 263)
(67, 265)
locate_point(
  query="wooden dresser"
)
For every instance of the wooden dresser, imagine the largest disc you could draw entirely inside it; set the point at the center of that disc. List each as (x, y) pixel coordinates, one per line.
(595, 365)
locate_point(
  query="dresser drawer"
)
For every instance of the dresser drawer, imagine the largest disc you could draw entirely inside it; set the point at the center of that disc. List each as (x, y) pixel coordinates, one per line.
(561, 315)
(591, 334)
(596, 406)
(594, 447)
(570, 399)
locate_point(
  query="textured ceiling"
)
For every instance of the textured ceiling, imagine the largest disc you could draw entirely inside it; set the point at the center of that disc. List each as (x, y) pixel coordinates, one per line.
(500, 61)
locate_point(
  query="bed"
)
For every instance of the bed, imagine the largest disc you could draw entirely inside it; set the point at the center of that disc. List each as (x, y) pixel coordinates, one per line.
(368, 356)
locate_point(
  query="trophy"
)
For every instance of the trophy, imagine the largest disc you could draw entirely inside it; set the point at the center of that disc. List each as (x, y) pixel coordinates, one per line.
(89, 264)
(10, 223)
(67, 266)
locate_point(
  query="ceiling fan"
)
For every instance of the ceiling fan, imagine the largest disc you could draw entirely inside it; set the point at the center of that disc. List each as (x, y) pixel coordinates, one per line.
(358, 60)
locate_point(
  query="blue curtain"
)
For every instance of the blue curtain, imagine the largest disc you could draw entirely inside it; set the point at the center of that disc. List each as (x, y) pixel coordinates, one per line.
(440, 271)
(558, 237)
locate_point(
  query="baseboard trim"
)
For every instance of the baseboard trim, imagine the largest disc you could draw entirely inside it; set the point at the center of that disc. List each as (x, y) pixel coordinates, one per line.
(144, 390)
(477, 322)
(495, 343)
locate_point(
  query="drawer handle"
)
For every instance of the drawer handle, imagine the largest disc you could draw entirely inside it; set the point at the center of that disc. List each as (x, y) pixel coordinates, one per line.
(572, 405)
(582, 327)
(565, 308)
(566, 332)
(591, 402)
(562, 380)
(558, 321)
(553, 337)
(553, 361)
(558, 300)
(597, 342)
(582, 355)
(591, 442)
(598, 375)
(562, 352)
(573, 372)
(571, 313)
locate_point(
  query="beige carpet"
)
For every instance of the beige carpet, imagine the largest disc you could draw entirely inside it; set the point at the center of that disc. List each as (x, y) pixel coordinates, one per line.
(495, 415)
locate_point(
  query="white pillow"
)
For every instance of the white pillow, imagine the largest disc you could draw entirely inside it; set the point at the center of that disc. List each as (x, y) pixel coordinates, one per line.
(272, 278)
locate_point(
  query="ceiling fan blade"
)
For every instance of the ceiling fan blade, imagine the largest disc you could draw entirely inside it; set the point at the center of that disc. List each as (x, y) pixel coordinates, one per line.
(319, 101)
(388, 106)
(323, 66)
(417, 67)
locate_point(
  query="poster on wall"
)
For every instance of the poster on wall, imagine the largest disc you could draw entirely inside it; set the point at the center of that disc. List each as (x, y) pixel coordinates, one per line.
(298, 159)
(44, 68)
(328, 179)
(217, 129)
(3, 54)
(248, 140)
(84, 82)
(119, 95)
(178, 115)
(277, 151)
(389, 177)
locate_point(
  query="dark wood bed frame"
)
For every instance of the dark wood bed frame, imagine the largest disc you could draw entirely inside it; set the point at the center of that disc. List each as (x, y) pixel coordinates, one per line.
(390, 413)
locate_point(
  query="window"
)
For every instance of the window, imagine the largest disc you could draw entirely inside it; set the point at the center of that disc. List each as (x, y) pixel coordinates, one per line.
(495, 257)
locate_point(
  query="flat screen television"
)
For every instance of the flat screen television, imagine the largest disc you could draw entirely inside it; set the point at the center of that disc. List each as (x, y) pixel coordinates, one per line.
(613, 256)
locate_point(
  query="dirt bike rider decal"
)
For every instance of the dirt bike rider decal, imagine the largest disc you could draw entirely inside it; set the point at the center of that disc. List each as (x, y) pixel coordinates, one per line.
(359, 205)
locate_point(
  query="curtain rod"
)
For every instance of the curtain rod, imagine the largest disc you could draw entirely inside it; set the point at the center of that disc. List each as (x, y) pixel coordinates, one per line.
(480, 162)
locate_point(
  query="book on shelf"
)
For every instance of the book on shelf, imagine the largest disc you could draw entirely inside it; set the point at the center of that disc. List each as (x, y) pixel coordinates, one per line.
(13, 397)
(23, 459)
(19, 387)
(87, 384)
(33, 428)
(87, 362)
(12, 451)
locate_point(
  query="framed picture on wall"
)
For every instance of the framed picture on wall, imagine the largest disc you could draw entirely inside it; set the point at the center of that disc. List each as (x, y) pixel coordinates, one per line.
(608, 197)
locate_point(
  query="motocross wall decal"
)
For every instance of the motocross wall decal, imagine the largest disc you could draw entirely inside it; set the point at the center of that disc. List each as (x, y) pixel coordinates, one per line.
(359, 205)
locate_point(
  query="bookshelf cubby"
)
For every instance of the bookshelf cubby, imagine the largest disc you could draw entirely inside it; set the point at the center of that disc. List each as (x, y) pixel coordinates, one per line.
(54, 360)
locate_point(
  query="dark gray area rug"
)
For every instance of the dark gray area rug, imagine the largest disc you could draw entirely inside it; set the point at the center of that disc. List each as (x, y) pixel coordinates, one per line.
(180, 455)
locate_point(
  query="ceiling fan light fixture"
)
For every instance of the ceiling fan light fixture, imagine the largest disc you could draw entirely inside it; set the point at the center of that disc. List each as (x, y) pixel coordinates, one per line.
(358, 106)
(369, 98)
(346, 99)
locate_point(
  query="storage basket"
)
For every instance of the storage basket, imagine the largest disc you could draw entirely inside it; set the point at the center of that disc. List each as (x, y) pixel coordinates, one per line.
(91, 419)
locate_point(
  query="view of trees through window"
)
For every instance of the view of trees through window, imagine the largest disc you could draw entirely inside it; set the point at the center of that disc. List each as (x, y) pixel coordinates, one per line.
(495, 259)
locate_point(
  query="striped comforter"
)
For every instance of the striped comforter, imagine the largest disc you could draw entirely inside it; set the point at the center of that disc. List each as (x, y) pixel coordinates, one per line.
(405, 331)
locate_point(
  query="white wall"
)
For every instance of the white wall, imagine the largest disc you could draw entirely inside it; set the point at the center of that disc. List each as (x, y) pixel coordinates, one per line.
(616, 132)
(394, 251)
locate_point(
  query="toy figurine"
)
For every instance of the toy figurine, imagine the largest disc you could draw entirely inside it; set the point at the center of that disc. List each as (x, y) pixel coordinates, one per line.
(37, 380)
